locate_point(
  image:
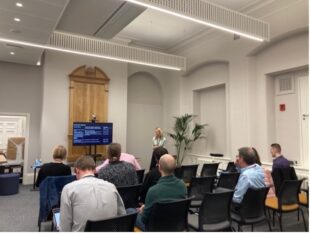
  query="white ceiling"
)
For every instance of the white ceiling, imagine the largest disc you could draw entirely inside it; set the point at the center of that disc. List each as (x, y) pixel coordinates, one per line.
(161, 31)
(38, 20)
(101, 18)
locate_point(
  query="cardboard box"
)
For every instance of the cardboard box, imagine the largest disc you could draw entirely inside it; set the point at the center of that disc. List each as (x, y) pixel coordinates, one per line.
(15, 148)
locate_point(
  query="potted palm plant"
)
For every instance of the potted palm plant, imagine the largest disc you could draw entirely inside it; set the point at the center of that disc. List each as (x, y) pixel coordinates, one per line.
(184, 135)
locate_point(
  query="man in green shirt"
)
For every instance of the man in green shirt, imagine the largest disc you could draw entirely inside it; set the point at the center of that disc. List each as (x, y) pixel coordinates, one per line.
(168, 188)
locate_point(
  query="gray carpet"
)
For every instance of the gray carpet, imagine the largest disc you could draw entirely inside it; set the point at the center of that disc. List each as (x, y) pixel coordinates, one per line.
(20, 213)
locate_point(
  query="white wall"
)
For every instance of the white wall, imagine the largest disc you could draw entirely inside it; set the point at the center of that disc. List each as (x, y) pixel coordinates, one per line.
(203, 95)
(145, 113)
(55, 114)
(21, 92)
(248, 122)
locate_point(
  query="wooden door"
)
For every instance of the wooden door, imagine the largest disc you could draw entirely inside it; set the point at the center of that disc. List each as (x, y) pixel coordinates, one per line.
(88, 95)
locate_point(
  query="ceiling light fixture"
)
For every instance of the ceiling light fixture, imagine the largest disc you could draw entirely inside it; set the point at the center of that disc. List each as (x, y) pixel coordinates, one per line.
(19, 4)
(12, 53)
(17, 19)
(180, 15)
(34, 45)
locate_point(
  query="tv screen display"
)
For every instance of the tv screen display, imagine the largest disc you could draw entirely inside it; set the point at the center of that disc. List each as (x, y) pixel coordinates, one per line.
(87, 133)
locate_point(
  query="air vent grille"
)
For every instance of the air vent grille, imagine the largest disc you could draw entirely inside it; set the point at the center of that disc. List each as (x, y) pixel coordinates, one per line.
(285, 84)
(111, 50)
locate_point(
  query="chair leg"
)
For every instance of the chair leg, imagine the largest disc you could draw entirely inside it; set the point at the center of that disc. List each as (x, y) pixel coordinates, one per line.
(273, 222)
(303, 218)
(280, 221)
(269, 225)
(252, 227)
(298, 215)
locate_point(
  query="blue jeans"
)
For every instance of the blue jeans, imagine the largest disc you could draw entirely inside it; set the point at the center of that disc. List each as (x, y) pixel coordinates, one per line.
(139, 223)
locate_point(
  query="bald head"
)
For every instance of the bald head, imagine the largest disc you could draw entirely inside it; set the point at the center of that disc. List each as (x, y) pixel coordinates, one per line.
(167, 164)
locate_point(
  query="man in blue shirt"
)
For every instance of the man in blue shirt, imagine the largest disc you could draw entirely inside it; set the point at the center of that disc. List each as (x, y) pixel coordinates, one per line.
(252, 175)
(279, 161)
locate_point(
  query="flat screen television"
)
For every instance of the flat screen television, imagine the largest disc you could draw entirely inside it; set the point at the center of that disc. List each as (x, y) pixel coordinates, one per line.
(87, 133)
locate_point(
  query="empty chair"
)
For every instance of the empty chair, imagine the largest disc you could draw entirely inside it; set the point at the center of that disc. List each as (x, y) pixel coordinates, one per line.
(286, 201)
(186, 172)
(124, 223)
(209, 169)
(214, 212)
(130, 195)
(169, 216)
(252, 208)
(228, 180)
(140, 175)
(198, 187)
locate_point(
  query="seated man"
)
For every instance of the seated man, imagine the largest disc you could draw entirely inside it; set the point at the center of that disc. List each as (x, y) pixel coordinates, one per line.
(88, 198)
(168, 188)
(124, 157)
(252, 175)
(118, 172)
(279, 161)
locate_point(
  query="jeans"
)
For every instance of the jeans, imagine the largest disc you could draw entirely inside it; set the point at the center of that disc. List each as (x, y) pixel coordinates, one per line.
(139, 223)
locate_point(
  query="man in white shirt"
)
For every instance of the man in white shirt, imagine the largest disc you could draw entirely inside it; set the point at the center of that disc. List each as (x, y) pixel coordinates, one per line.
(88, 198)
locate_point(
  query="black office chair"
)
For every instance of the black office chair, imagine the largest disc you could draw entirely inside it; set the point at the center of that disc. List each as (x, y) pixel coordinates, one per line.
(209, 169)
(130, 195)
(286, 201)
(140, 175)
(252, 208)
(124, 223)
(186, 172)
(198, 187)
(214, 213)
(228, 180)
(231, 167)
(169, 216)
(279, 175)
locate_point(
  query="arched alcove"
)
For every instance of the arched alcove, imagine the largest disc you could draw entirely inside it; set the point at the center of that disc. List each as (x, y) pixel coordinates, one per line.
(144, 113)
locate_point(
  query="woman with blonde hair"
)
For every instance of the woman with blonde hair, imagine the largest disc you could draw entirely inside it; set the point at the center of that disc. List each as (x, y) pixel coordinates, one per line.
(55, 168)
(158, 141)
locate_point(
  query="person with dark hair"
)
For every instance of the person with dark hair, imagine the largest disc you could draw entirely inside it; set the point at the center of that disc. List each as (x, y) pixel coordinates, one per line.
(267, 173)
(252, 175)
(55, 168)
(88, 198)
(168, 188)
(120, 173)
(279, 161)
(152, 177)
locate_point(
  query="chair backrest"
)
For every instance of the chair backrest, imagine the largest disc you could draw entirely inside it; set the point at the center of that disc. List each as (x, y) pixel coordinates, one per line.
(50, 189)
(209, 169)
(199, 186)
(279, 175)
(130, 195)
(140, 175)
(169, 216)
(187, 172)
(124, 223)
(253, 204)
(228, 180)
(215, 208)
(288, 193)
(231, 167)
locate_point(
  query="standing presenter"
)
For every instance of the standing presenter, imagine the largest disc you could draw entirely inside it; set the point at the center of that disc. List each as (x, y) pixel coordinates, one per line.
(158, 141)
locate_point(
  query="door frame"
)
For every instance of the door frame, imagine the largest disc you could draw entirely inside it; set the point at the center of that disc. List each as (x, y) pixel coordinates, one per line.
(27, 115)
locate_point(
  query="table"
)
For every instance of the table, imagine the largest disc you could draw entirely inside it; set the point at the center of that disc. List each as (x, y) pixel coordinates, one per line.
(11, 166)
(35, 167)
